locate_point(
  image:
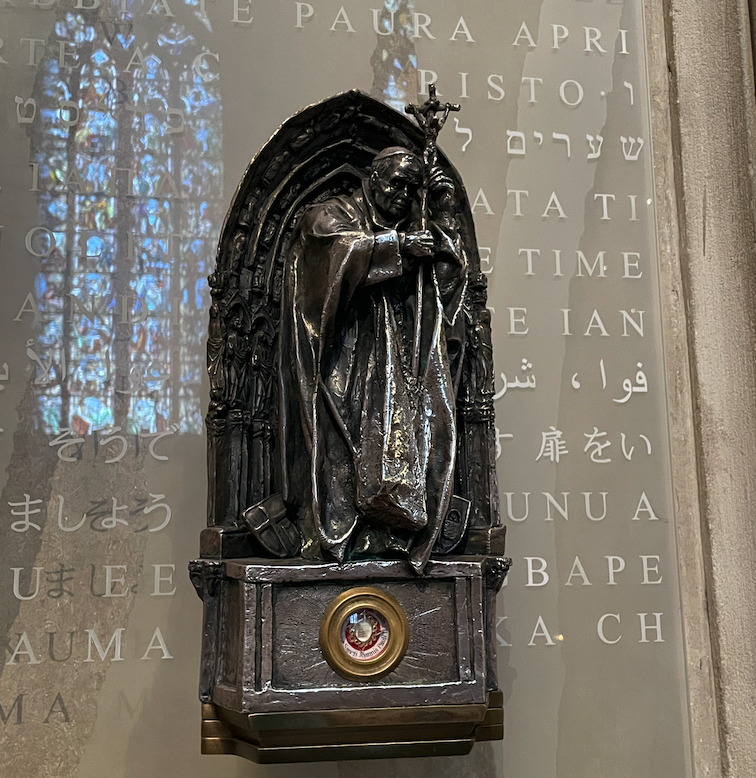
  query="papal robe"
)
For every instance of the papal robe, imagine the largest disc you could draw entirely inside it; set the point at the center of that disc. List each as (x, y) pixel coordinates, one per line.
(367, 448)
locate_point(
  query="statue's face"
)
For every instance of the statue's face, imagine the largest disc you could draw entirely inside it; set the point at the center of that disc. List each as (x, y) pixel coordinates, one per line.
(395, 187)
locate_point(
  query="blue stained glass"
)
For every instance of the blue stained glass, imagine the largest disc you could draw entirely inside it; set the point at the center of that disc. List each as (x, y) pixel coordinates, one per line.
(51, 334)
(201, 295)
(96, 412)
(50, 412)
(101, 237)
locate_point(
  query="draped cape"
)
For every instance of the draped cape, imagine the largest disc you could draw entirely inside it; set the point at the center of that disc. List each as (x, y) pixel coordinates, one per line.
(367, 449)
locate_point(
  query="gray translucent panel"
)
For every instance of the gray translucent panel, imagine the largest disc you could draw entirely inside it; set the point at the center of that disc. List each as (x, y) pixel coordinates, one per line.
(125, 129)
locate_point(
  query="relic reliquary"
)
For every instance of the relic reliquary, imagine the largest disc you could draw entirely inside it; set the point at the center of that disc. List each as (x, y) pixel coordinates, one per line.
(354, 549)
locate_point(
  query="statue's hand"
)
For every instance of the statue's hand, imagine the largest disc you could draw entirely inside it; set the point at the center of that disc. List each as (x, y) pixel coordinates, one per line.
(441, 190)
(439, 183)
(419, 245)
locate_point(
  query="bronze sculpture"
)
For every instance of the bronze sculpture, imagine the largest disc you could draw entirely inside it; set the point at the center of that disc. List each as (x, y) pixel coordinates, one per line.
(350, 432)
(373, 454)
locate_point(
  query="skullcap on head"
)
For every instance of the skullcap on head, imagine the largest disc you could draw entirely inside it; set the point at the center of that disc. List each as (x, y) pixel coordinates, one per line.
(392, 151)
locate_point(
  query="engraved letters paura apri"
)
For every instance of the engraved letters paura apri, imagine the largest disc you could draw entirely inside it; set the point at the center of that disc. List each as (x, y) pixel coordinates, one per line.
(354, 548)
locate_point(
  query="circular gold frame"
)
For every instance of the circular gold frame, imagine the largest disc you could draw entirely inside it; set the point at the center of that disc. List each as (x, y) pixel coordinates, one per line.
(330, 633)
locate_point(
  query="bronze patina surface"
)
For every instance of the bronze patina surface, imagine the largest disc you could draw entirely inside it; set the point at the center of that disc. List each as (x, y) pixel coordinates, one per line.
(354, 546)
(337, 734)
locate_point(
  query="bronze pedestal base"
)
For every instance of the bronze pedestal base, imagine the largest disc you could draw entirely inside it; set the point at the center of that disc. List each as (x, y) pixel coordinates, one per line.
(329, 735)
(276, 688)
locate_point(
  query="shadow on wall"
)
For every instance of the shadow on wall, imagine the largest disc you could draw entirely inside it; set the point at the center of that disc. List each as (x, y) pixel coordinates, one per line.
(479, 763)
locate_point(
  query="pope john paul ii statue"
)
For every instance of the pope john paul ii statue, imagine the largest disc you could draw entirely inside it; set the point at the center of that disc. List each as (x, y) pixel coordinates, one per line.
(369, 371)
(349, 350)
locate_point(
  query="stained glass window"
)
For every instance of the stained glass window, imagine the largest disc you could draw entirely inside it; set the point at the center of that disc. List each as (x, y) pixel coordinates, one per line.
(130, 175)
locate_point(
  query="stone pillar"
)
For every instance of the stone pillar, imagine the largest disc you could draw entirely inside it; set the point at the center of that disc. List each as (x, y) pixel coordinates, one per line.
(708, 242)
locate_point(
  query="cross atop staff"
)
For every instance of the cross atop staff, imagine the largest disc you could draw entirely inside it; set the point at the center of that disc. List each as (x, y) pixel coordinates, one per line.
(427, 118)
